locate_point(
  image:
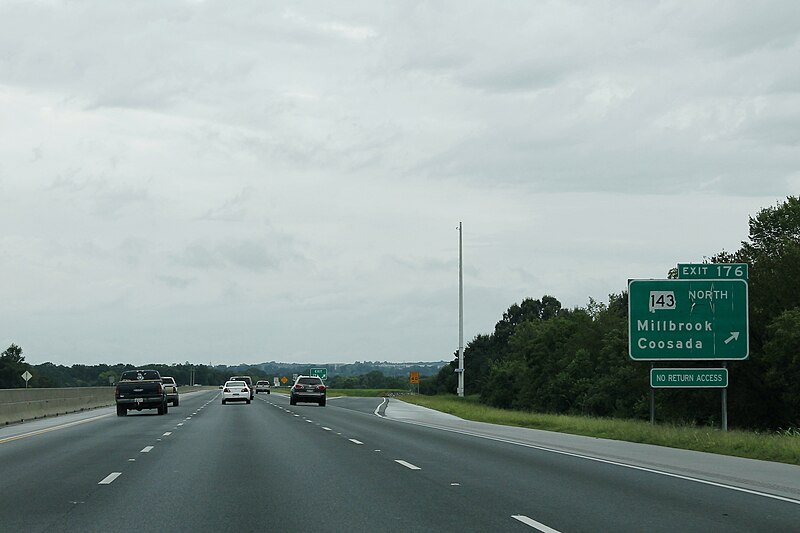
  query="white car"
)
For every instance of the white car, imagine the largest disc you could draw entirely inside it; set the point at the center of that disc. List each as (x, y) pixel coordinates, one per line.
(171, 388)
(235, 391)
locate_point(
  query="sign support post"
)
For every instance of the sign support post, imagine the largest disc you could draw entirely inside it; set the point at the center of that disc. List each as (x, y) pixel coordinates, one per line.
(725, 403)
(652, 399)
(460, 369)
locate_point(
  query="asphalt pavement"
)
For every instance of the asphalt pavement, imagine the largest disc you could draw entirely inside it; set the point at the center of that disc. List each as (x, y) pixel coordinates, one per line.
(364, 464)
(767, 477)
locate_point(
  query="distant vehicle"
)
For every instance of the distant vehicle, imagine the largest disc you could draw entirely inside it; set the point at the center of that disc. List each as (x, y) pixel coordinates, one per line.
(235, 391)
(140, 389)
(262, 386)
(246, 379)
(308, 389)
(171, 388)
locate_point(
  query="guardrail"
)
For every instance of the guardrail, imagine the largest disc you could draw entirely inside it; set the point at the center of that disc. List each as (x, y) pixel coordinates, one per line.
(18, 405)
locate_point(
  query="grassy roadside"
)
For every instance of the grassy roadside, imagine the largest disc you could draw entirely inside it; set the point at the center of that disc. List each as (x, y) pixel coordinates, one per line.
(779, 447)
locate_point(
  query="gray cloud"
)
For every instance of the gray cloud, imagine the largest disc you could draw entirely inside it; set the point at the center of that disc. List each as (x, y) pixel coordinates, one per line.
(253, 255)
(231, 210)
(102, 197)
(174, 282)
(253, 171)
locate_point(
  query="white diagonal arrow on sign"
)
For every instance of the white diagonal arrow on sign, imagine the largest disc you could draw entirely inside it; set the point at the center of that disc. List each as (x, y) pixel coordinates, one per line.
(734, 337)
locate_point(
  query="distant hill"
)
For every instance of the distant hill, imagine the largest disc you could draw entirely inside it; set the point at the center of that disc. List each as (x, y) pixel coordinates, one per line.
(358, 368)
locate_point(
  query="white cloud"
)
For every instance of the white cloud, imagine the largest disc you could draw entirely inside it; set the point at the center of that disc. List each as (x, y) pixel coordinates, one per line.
(279, 180)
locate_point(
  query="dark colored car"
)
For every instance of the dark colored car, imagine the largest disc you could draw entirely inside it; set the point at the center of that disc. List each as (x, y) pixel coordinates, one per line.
(308, 389)
(140, 389)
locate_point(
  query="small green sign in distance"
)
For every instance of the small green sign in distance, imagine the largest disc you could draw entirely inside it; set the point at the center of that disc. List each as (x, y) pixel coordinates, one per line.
(713, 271)
(688, 320)
(321, 373)
(689, 378)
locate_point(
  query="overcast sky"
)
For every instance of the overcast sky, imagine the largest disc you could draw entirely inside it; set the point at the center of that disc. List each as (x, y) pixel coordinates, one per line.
(239, 182)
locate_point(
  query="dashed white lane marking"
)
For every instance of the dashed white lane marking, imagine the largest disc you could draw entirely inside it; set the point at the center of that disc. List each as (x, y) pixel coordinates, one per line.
(167, 434)
(179, 425)
(407, 464)
(310, 421)
(188, 418)
(326, 429)
(354, 441)
(110, 478)
(146, 449)
(604, 461)
(534, 524)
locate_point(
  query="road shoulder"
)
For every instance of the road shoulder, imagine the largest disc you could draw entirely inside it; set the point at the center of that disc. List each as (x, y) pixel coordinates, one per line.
(777, 479)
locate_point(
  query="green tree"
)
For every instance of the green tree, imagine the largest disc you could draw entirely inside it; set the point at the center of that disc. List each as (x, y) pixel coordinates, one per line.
(107, 377)
(782, 355)
(12, 366)
(773, 252)
(757, 399)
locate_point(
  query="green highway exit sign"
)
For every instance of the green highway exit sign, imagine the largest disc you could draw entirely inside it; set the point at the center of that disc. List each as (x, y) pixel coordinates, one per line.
(713, 271)
(688, 319)
(689, 378)
(321, 373)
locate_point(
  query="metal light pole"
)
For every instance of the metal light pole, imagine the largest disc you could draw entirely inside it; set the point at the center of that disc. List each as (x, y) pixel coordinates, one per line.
(460, 369)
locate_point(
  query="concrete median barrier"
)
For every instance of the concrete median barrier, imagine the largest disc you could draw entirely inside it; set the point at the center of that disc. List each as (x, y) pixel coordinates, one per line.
(17, 405)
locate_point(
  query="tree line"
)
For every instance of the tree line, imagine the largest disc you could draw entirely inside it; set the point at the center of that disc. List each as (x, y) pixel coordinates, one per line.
(49, 375)
(545, 358)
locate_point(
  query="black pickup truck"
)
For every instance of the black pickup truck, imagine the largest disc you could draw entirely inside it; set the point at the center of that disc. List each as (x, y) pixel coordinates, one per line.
(140, 389)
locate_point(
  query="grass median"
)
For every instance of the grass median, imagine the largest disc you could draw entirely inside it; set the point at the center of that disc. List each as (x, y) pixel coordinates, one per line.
(779, 446)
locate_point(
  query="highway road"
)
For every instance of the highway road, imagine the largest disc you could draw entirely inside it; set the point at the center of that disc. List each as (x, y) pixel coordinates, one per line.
(270, 466)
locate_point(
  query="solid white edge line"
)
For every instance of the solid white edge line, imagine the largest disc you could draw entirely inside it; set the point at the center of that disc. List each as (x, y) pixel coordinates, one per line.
(407, 464)
(534, 524)
(354, 441)
(606, 461)
(377, 409)
(53, 428)
(110, 478)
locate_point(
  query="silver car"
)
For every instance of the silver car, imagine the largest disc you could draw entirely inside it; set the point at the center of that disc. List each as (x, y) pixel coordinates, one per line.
(171, 388)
